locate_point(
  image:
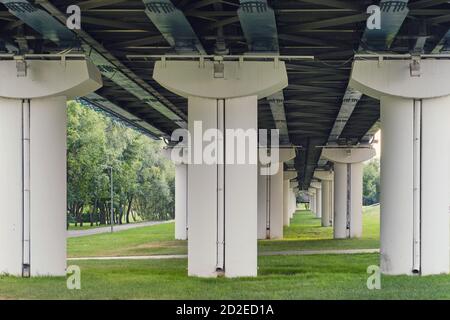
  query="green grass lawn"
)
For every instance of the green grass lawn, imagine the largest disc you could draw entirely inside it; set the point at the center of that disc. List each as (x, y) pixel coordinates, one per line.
(280, 277)
(304, 233)
(152, 240)
(286, 277)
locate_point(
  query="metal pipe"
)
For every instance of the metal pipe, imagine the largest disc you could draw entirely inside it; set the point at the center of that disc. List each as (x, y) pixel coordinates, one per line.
(26, 209)
(112, 201)
(417, 185)
(220, 142)
(222, 58)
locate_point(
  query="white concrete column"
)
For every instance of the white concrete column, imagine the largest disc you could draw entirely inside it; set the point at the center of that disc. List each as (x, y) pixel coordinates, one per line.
(415, 157)
(326, 203)
(276, 206)
(286, 204)
(270, 198)
(312, 200)
(318, 198)
(348, 173)
(327, 206)
(417, 242)
(33, 162)
(181, 216)
(288, 175)
(292, 199)
(229, 191)
(263, 205)
(222, 194)
(340, 201)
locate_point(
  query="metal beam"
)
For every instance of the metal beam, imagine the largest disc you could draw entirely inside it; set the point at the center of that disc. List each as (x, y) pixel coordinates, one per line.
(174, 26)
(260, 30)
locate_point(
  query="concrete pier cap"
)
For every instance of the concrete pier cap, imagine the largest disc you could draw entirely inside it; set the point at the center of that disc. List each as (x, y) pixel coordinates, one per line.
(316, 185)
(285, 154)
(349, 155)
(289, 175)
(324, 175)
(239, 79)
(387, 78)
(68, 78)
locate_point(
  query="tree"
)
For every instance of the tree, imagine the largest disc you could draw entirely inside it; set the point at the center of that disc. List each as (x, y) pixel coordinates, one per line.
(371, 182)
(143, 178)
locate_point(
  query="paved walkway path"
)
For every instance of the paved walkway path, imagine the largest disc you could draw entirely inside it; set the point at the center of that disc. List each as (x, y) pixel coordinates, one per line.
(88, 232)
(272, 253)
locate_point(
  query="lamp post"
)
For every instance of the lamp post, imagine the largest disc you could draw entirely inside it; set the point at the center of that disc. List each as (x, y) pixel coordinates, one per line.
(112, 200)
(112, 197)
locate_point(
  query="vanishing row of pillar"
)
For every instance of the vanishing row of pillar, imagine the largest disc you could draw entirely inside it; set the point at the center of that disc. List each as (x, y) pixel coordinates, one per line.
(415, 176)
(277, 201)
(222, 199)
(336, 196)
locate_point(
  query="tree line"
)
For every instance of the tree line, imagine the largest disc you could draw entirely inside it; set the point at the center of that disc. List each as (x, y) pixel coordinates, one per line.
(143, 179)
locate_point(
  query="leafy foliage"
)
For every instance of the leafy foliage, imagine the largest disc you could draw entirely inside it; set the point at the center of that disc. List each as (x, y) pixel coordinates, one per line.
(143, 179)
(371, 182)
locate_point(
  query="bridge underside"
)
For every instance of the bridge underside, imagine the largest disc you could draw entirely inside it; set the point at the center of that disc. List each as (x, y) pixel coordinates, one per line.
(325, 115)
(331, 31)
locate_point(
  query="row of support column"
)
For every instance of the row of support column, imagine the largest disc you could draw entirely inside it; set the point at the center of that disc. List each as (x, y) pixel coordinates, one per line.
(287, 197)
(222, 198)
(415, 176)
(348, 184)
(293, 198)
(271, 199)
(327, 186)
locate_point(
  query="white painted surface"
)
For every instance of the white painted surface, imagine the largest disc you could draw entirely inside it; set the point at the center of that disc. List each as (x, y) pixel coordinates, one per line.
(293, 202)
(202, 197)
(247, 82)
(396, 233)
(263, 205)
(435, 186)
(391, 82)
(326, 203)
(276, 205)
(319, 202)
(312, 200)
(348, 168)
(48, 186)
(181, 179)
(70, 78)
(43, 232)
(340, 201)
(241, 195)
(11, 187)
(249, 78)
(238, 225)
(286, 204)
(47, 225)
(356, 200)
(348, 155)
(393, 78)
